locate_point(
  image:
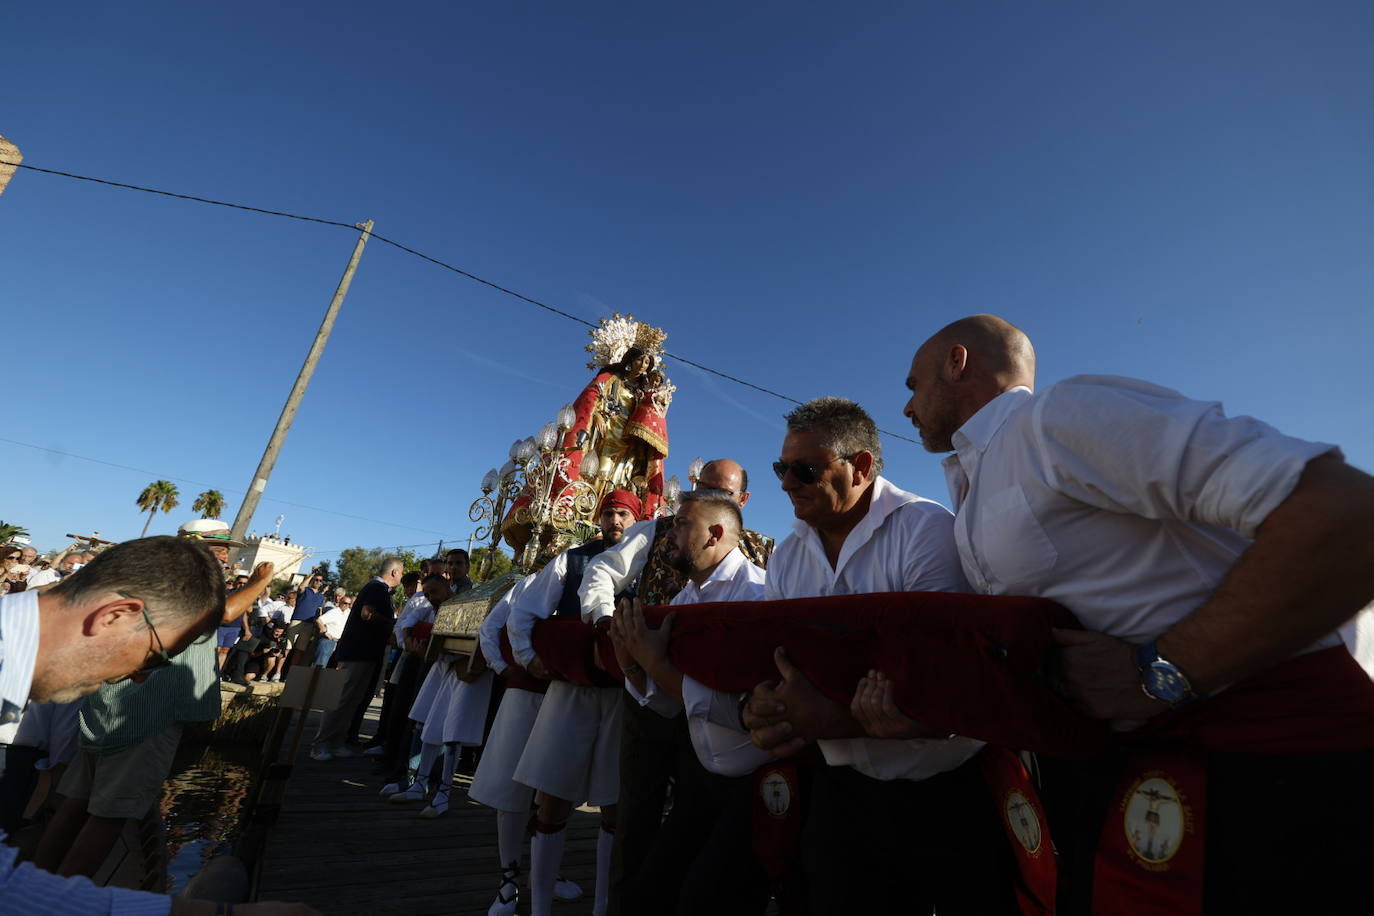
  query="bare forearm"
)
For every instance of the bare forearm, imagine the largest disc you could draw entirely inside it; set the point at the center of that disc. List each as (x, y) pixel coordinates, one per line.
(1310, 569)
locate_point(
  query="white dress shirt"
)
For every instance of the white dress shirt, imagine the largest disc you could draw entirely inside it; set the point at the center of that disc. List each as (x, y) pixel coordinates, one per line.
(489, 633)
(903, 544)
(733, 579)
(615, 569)
(40, 577)
(332, 619)
(536, 602)
(1125, 502)
(18, 651)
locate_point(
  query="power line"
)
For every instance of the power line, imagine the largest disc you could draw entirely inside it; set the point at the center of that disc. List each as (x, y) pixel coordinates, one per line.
(201, 483)
(419, 254)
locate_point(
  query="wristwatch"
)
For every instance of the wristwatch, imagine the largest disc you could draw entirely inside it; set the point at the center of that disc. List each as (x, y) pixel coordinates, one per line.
(1161, 679)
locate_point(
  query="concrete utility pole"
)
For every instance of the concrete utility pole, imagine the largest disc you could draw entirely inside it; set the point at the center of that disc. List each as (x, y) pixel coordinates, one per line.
(293, 400)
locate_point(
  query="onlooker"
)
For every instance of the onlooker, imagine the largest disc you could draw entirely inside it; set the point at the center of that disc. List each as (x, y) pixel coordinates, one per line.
(359, 652)
(302, 631)
(329, 624)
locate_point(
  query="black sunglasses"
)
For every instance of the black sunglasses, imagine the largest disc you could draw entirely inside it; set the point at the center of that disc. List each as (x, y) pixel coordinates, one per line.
(804, 472)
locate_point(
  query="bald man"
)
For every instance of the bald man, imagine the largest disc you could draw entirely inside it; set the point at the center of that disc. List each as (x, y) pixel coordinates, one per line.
(1211, 560)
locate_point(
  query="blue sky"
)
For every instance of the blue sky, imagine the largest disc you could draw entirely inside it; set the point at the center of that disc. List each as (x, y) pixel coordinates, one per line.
(797, 193)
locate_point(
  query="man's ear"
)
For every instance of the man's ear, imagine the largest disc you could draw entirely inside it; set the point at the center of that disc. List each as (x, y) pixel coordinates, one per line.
(742, 498)
(717, 532)
(957, 362)
(863, 465)
(118, 610)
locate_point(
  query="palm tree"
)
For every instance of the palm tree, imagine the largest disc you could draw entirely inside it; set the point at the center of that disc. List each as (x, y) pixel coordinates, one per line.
(160, 494)
(209, 504)
(9, 532)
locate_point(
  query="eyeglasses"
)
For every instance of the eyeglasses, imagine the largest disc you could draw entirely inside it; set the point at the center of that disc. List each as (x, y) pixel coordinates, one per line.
(804, 472)
(163, 659)
(730, 493)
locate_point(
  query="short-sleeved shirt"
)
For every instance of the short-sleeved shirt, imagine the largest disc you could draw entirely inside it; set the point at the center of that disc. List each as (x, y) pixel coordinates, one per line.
(118, 716)
(308, 604)
(366, 640)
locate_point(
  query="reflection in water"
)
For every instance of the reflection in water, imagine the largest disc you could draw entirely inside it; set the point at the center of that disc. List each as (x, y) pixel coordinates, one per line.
(203, 804)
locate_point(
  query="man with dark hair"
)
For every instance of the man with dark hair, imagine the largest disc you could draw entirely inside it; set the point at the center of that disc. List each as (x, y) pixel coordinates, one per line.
(643, 563)
(701, 859)
(302, 631)
(459, 565)
(129, 731)
(358, 655)
(124, 617)
(572, 753)
(891, 824)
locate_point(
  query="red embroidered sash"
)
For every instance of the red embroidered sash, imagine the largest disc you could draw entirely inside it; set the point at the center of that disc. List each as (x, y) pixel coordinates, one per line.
(1151, 857)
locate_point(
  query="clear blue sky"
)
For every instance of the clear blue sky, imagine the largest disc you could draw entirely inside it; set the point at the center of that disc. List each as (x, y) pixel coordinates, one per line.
(797, 193)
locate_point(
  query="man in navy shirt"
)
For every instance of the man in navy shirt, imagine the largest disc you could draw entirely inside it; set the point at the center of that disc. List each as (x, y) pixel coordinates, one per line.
(358, 654)
(301, 633)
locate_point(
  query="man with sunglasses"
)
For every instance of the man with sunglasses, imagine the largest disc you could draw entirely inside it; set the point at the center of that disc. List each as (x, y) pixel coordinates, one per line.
(890, 825)
(130, 729)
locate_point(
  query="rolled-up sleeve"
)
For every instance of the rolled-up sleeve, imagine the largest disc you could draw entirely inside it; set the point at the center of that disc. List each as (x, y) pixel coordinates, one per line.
(1128, 446)
(610, 572)
(532, 605)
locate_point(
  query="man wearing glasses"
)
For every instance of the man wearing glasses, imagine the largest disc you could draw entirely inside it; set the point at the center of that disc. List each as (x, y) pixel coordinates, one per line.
(132, 610)
(130, 730)
(891, 825)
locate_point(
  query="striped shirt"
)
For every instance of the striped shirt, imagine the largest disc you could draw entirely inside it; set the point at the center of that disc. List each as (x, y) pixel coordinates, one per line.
(118, 716)
(26, 889)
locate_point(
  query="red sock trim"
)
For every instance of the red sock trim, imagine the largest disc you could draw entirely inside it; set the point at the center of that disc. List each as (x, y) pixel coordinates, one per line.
(539, 826)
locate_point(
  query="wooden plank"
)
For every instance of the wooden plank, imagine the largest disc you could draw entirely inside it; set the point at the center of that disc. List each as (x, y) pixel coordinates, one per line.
(343, 849)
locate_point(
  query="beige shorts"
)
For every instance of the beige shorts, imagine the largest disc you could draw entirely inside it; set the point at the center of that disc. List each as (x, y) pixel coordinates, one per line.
(301, 634)
(125, 784)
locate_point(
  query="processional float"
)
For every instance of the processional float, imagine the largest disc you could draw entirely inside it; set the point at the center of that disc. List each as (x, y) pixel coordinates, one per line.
(545, 498)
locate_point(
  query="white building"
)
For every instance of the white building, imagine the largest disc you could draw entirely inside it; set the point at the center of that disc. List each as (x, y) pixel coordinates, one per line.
(269, 548)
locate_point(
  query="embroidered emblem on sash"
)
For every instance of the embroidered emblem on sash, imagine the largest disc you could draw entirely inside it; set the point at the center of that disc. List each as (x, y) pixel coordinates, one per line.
(1157, 820)
(776, 793)
(1024, 822)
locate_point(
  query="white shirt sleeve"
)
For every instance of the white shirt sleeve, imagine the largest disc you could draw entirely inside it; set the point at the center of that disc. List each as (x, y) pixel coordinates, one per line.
(655, 699)
(713, 723)
(1166, 456)
(610, 572)
(489, 634)
(535, 603)
(886, 759)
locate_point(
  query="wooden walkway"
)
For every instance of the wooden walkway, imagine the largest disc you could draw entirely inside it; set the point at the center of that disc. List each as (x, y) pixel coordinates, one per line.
(343, 849)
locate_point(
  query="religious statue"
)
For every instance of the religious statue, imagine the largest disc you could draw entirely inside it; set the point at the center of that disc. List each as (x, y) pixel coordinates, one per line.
(615, 435)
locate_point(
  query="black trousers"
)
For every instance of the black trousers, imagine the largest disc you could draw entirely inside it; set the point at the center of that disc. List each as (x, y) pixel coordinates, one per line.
(907, 847)
(702, 859)
(648, 760)
(1285, 833)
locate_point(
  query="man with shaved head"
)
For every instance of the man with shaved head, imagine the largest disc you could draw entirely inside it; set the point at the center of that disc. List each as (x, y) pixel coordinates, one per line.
(644, 562)
(1210, 560)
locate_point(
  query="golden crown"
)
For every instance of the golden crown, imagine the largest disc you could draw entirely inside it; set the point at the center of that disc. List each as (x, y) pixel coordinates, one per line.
(618, 334)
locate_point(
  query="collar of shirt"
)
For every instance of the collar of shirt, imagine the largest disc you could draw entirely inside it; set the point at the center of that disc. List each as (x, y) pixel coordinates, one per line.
(18, 652)
(726, 571)
(883, 501)
(971, 439)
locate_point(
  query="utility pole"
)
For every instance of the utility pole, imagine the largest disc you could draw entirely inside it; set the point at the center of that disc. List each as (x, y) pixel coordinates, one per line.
(293, 400)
